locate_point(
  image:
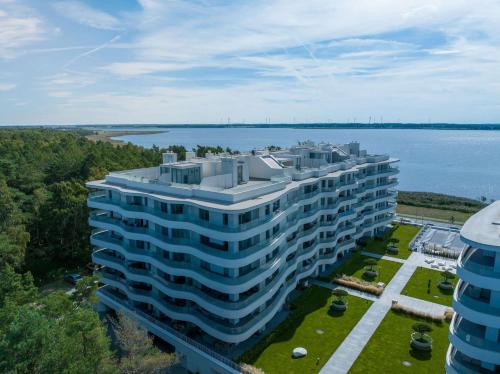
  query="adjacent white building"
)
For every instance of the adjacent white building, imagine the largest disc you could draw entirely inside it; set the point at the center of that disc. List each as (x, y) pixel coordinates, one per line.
(211, 247)
(475, 328)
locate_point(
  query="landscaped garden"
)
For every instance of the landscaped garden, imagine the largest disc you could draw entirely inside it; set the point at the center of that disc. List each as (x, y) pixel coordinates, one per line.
(401, 345)
(418, 286)
(399, 237)
(313, 324)
(359, 266)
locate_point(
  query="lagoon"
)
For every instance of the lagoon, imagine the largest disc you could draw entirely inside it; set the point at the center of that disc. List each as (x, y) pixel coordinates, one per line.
(455, 162)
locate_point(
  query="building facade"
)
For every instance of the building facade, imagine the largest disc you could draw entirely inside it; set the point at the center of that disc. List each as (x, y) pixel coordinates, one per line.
(213, 246)
(475, 328)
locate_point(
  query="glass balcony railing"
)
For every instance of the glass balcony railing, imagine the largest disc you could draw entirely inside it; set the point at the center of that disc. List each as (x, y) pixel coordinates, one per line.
(473, 334)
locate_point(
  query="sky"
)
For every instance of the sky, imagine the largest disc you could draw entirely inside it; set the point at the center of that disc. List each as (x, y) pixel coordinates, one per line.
(276, 61)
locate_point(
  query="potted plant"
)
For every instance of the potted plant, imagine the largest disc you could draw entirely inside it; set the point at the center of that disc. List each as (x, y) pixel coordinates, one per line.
(419, 338)
(339, 303)
(447, 282)
(371, 270)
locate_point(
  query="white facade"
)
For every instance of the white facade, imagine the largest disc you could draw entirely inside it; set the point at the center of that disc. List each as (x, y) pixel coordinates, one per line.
(216, 244)
(474, 331)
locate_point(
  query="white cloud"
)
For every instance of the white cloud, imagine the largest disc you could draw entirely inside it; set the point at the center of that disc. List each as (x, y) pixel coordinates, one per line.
(19, 27)
(7, 86)
(142, 68)
(85, 15)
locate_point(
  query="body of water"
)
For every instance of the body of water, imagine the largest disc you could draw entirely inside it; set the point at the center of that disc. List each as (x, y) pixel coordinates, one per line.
(455, 162)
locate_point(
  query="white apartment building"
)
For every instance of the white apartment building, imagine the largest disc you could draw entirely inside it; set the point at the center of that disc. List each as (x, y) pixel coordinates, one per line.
(211, 247)
(475, 328)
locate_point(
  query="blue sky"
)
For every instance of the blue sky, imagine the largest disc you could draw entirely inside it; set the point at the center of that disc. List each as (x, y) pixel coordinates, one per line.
(156, 61)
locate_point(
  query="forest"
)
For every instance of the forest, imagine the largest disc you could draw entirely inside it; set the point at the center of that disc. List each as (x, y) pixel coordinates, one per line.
(44, 231)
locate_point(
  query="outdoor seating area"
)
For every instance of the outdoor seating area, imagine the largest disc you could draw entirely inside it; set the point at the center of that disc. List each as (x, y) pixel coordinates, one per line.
(438, 241)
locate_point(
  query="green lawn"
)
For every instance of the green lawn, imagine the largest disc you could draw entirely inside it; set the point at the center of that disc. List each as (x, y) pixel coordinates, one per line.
(389, 347)
(433, 213)
(273, 353)
(417, 287)
(405, 233)
(355, 266)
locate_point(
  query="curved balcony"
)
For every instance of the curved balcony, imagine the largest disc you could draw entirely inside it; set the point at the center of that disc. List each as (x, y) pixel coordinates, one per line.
(222, 258)
(219, 282)
(477, 269)
(468, 337)
(458, 363)
(231, 334)
(475, 309)
(223, 232)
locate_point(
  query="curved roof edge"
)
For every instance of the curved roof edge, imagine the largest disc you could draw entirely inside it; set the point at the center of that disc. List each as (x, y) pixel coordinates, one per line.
(483, 228)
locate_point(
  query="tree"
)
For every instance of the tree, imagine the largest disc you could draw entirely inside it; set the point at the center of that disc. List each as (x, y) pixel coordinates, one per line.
(16, 288)
(140, 355)
(371, 263)
(448, 276)
(421, 329)
(340, 294)
(53, 336)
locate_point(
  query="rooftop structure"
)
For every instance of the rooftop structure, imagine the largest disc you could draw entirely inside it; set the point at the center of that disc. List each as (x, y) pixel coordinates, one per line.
(212, 247)
(474, 330)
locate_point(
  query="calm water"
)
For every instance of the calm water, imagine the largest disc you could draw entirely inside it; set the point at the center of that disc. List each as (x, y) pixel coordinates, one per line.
(463, 163)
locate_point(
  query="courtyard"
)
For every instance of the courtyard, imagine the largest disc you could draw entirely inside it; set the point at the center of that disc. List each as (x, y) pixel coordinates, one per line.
(312, 325)
(356, 340)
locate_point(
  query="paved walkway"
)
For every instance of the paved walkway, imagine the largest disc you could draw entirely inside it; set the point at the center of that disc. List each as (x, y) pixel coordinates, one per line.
(383, 257)
(352, 346)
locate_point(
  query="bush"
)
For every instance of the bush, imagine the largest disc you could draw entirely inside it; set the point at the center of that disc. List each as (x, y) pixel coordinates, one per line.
(415, 313)
(250, 369)
(448, 314)
(358, 284)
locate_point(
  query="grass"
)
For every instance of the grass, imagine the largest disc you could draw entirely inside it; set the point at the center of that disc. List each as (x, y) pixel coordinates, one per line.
(389, 347)
(433, 213)
(405, 233)
(417, 287)
(273, 353)
(355, 266)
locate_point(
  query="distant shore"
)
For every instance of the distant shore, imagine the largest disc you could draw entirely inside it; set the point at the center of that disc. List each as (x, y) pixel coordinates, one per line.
(108, 135)
(329, 126)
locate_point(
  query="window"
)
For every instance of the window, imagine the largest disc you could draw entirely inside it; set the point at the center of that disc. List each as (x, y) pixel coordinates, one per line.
(225, 219)
(179, 233)
(177, 208)
(244, 218)
(204, 215)
(276, 205)
(164, 207)
(268, 209)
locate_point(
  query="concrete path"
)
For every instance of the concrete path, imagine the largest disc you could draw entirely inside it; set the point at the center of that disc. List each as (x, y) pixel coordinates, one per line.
(352, 346)
(388, 258)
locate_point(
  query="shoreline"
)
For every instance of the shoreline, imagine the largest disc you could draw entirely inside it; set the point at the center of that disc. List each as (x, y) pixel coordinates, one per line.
(108, 135)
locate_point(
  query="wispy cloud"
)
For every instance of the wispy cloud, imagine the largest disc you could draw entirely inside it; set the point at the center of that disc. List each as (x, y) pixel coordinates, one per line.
(308, 59)
(86, 15)
(7, 87)
(19, 26)
(142, 68)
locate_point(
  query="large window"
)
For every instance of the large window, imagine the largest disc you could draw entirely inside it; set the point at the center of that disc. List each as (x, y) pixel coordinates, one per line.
(204, 215)
(177, 208)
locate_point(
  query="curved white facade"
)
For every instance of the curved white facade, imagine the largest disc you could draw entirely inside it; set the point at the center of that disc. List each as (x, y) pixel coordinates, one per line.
(475, 328)
(225, 259)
